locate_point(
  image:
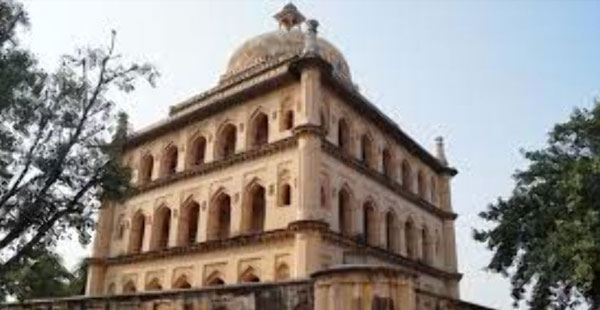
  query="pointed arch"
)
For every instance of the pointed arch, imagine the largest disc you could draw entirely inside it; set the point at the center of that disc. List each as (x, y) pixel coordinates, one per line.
(392, 232)
(136, 236)
(161, 228)
(386, 163)
(282, 272)
(370, 222)
(367, 150)
(255, 208)
(288, 120)
(249, 275)
(111, 289)
(285, 194)
(129, 287)
(421, 184)
(169, 161)
(188, 222)
(226, 141)
(410, 236)
(121, 225)
(197, 151)
(215, 279)
(324, 196)
(146, 167)
(219, 217)
(323, 120)
(345, 220)
(426, 245)
(182, 282)
(406, 176)
(344, 136)
(433, 193)
(258, 129)
(154, 285)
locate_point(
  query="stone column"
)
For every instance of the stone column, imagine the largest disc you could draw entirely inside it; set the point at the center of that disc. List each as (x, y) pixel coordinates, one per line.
(95, 283)
(309, 146)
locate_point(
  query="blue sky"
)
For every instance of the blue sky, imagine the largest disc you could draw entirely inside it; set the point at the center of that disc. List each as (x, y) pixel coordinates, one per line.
(491, 77)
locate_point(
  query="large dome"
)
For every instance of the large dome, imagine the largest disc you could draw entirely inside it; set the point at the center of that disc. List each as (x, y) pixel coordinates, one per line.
(281, 44)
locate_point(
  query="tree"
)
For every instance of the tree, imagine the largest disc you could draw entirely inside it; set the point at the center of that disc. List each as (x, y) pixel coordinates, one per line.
(42, 277)
(546, 235)
(61, 139)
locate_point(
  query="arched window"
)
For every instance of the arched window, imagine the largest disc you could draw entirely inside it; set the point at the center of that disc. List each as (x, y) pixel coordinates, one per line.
(386, 162)
(197, 151)
(343, 136)
(259, 130)
(161, 228)
(369, 223)
(421, 185)
(282, 272)
(285, 194)
(323, 121)
(253, 214)
(249, 276)
(219, 217)
(226, 141)
(391, 232)
(433, 195)
(406, 176)
(112, 289)
(215, 278)
(426, 245)
(136, 237)
(154, 285)
(411, 245)
(170, 160)
(182, 283)
(367, 151)
(188, 223)
(344, 212)
(129, 287)
(120, 233)
(323, 196)
(288, 120)
(146, 167)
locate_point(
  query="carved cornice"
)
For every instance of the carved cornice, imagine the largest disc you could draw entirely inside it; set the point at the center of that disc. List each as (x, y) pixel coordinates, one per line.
(353, 163)
(304, 226)
(308, 129)
(215, 101)
(360, 247)
(269, 149)
(202, 247)
(365, 269)
(460, 303)
(173, 294)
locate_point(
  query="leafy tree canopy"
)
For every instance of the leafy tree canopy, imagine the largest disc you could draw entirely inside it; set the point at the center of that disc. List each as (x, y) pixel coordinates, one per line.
(60, 139)
(546, 235)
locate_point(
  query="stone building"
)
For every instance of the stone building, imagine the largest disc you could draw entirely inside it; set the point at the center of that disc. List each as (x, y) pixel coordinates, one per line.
(280, 188)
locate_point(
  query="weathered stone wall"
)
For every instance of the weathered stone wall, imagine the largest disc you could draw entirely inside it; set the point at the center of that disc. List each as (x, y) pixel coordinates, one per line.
(292, 295)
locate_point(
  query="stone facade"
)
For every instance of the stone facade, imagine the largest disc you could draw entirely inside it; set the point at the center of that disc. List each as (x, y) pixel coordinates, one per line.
(282, 181)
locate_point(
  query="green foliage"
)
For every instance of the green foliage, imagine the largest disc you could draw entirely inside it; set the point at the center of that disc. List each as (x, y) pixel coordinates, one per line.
(41, 275)
(547, 233)
(60, 143)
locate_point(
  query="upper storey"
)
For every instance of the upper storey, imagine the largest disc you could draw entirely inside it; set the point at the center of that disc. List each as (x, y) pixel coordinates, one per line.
(275, 60)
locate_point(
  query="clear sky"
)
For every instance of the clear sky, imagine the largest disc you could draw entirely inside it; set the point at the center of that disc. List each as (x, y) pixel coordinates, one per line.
(491, 77)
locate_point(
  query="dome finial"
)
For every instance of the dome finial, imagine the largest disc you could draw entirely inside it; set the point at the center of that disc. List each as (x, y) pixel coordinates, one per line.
(440, 153)
(289, 17)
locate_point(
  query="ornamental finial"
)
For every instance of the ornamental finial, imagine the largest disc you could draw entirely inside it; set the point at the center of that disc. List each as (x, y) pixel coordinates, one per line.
(440, 153)
(289, 17)
(310, 41)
